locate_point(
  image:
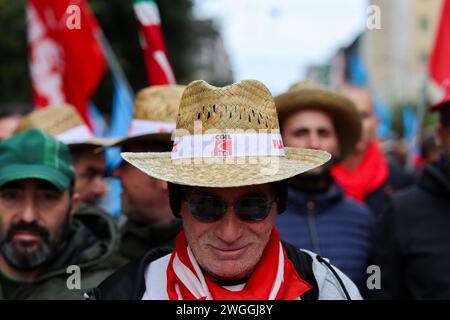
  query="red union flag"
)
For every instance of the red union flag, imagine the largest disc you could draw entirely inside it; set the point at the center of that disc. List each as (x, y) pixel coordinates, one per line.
(158, 67)
(278, 144)
(440, 57)
(66, 61)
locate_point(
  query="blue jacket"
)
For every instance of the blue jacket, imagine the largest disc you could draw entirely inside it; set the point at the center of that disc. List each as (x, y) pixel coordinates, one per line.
(333, 226)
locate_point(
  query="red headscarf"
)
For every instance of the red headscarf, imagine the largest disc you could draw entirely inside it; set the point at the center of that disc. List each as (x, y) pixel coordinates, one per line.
(370, 174)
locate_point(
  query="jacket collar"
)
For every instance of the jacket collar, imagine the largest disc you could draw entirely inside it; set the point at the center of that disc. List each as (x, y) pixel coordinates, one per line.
(322, 201)
(434, 180)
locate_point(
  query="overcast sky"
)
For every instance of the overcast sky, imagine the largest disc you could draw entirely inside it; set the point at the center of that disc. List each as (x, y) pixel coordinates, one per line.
(275, 40)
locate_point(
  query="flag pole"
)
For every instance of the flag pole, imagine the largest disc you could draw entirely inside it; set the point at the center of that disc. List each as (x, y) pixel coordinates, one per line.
(113, 63)
(420, 114)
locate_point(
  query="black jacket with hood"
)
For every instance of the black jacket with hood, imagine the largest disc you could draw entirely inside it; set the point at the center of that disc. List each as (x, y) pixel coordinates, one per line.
(413, 241)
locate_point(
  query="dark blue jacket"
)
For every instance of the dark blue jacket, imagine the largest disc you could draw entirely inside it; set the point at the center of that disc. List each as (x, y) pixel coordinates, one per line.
(333, 226)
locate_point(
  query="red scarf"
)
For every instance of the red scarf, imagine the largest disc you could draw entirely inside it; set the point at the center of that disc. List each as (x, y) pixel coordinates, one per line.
(274, 277)
(368, 176)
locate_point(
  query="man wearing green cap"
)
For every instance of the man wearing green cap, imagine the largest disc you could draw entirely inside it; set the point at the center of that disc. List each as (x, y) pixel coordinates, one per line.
(46, 252)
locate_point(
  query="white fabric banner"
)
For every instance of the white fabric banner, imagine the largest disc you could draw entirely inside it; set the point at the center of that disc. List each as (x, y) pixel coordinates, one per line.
(78, 134)
(142, 127)
(228, 145)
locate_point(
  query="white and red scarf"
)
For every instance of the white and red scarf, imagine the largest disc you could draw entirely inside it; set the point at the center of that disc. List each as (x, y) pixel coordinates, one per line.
(274, 278)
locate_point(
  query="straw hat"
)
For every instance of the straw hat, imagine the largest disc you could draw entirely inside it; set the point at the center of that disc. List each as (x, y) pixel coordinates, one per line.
(65, 124)
(156, 109)
(307, 95)
(227, 137)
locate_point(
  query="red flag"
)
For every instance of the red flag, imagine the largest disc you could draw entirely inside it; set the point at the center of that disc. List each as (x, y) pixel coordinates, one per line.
(66, 60)
(159, 70)
(440, 57)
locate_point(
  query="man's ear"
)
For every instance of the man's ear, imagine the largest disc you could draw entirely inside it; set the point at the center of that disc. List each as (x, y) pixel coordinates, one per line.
(75, 202)
(162, 185)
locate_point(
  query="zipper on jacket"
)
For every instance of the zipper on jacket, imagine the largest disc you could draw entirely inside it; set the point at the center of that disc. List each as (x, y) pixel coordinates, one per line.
(310, 205)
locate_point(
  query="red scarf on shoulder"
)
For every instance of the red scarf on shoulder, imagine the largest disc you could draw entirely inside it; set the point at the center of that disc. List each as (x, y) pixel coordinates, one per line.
(369, 175)
(274, 277)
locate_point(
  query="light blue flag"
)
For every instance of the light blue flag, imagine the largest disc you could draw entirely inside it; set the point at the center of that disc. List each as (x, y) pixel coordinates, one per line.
(97, 120)
(121, 115)
(409, 124)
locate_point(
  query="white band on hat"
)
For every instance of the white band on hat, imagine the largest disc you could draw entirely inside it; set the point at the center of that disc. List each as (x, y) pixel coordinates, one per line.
(227, 145)
(74, 135)
(142, 127)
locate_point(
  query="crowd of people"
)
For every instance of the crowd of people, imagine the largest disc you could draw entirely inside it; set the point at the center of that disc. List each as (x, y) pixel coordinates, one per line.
(285, 197)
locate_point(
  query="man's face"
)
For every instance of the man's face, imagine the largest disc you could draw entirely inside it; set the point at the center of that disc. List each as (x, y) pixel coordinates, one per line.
(364, 103)
(312, 130)
(34, 217)
(90, 177)
(230, 248)
(144, 199)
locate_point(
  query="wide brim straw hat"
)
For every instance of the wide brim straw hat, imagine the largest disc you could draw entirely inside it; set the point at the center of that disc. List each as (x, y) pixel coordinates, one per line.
(307, 95)
(227, 137)
(155, 114)
(65, 124)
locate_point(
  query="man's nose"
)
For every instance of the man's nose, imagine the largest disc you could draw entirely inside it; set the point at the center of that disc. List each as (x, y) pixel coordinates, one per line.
(117, 172)
(98, 186)
(30, 211)
(229, 229)
(314, 141)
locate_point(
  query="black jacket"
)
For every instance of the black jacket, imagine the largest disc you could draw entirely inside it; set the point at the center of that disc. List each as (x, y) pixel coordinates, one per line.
(398, 179)
(413, 241)
(137, 239)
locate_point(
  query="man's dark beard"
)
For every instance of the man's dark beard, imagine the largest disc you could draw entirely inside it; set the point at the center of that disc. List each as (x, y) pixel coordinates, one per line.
(30, 261)
(312, 182)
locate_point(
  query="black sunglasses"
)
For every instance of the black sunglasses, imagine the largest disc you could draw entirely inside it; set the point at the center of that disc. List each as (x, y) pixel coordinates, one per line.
(208, 208)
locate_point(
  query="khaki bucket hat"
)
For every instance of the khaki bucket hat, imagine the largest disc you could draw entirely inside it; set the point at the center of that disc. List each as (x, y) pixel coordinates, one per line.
(155, 114)
(227, 137)
(65, 124)
(308, 95)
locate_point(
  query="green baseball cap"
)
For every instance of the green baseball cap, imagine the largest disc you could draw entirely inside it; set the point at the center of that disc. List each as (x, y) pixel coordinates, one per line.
(33, 154)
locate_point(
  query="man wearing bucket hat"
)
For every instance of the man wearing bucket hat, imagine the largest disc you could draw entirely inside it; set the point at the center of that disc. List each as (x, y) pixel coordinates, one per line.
(45, 251)
(65, 124)
(145, 201)
(319, 217)
(226, 177)
(412, 246)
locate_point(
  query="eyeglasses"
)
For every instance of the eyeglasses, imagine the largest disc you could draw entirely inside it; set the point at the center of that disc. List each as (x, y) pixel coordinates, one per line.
(208, 208)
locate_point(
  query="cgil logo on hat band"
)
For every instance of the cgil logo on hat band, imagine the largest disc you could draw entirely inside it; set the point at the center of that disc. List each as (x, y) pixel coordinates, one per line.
(242, 144)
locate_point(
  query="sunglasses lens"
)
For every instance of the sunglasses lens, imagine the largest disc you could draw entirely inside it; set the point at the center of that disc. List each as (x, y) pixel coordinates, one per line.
(207, 208)
(253, 208)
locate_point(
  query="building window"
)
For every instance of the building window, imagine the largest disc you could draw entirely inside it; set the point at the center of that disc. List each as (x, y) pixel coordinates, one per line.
(423, 58)
(424, 24)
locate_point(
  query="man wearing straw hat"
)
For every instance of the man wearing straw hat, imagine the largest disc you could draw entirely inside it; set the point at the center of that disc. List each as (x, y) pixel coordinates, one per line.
(46, 250)
(145, 201)
(226, 175)
(319, 217)
(65, 124)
